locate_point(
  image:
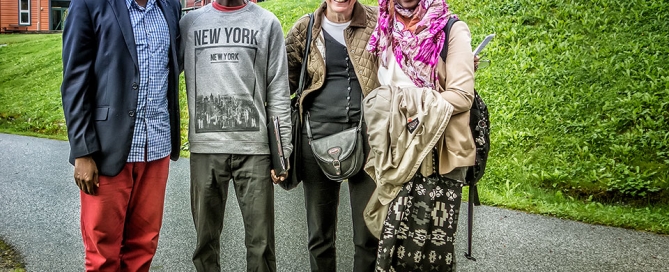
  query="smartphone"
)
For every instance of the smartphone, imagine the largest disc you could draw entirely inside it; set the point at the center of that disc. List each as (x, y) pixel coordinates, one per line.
(483, 44)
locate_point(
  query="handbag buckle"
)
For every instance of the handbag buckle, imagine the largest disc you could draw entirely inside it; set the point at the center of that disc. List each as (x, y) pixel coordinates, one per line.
(334, 153)
(337, 166)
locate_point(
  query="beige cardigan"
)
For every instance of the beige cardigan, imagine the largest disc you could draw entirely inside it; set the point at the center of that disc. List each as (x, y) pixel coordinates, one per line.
(456, 147)
(457, 75)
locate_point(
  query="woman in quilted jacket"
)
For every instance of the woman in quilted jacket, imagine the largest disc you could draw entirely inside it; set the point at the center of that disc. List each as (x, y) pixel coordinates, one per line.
(339, 72)
(419, 229)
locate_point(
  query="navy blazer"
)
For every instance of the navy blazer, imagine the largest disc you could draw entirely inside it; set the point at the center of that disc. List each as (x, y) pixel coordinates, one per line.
(100, 80)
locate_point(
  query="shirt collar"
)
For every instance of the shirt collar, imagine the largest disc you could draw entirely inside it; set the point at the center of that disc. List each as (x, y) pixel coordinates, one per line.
(149, 4)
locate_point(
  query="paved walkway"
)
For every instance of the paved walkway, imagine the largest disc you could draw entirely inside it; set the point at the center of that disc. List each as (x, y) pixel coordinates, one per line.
(39, 214)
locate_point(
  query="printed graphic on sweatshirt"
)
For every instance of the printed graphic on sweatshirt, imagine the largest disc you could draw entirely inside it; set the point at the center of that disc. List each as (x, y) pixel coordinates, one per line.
(218, 107)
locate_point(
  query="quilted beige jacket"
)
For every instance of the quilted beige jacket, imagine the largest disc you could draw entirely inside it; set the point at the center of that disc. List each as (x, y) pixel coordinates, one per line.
(356, 36)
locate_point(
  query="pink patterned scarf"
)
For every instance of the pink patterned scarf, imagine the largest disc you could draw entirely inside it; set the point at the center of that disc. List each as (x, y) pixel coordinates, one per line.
(416, 47)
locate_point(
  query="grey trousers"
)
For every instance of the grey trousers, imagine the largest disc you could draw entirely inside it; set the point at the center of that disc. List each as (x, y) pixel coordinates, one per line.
(210, 177)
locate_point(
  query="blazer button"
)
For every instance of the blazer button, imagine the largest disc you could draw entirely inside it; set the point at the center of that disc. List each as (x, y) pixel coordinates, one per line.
(131, 113)
(135, 86)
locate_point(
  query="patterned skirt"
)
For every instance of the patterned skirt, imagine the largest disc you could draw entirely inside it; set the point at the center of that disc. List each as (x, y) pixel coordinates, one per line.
(418, 233)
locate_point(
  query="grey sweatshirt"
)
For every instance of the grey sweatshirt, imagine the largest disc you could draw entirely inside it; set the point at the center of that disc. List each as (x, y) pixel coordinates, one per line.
(236, 77)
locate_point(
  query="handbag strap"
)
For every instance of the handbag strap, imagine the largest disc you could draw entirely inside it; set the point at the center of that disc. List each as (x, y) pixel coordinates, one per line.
(359, 121)
(305, 58)
(362, 111)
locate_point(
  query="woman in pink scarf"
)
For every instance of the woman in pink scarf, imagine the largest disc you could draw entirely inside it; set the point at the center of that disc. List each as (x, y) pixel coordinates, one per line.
(419, 231)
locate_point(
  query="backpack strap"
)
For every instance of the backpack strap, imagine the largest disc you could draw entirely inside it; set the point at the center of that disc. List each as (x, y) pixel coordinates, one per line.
(444, 50)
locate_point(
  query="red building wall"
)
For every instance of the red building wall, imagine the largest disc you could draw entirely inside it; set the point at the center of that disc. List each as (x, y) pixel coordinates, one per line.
(9, 13)
(39, 15)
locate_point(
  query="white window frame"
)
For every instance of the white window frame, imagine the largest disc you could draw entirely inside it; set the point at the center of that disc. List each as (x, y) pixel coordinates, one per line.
(21, 12)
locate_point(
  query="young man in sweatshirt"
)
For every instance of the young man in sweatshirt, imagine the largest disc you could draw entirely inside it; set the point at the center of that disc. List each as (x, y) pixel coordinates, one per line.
(236, 70)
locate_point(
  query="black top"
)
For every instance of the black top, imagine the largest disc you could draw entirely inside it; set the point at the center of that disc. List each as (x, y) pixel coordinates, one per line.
(338, 100)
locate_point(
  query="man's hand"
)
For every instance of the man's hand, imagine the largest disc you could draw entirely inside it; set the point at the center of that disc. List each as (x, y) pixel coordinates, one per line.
(86, 175)
(278, 179)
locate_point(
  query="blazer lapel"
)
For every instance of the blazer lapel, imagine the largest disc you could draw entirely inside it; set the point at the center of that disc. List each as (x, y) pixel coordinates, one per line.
(123, 18)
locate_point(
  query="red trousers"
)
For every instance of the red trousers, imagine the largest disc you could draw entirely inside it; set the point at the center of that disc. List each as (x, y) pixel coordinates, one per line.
(120, 224)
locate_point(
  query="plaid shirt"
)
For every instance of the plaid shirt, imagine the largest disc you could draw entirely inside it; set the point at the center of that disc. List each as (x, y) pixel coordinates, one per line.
(151, 138)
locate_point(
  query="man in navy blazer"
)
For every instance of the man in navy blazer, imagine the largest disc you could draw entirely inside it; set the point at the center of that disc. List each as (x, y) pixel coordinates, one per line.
(120, 100)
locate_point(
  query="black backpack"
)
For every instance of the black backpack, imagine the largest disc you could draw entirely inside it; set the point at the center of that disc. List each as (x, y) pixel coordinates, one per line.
(479, 123)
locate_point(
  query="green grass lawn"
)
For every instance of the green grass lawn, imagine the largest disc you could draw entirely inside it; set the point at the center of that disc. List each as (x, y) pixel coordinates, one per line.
(578, 92)
(29, 93)
(10, 260)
